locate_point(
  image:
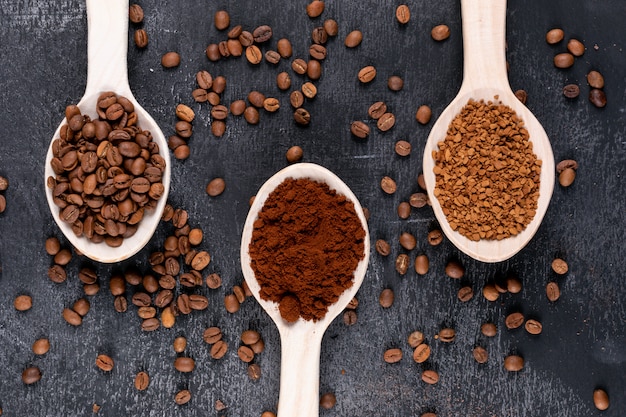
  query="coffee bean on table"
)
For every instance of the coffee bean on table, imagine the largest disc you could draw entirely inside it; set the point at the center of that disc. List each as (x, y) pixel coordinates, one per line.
(386, 122)
(41, 346)
(522, 96)
(423, 114)
(314, 69)
(553, 291)
(454, 270)
(377, 109)
(294, 154)
(465, 293)
(447, 335)
(184, 364)
(490, 292)
(392, 355)
(597, 97)
(480, 354)
(182, 397)
(514, 320)
(421, 353)
(63, 257)
(309, 90)
(600, 399)
(513, 363)
(403, 14)
(254, 371)
(4, 183)
(533, 326)
(81, 306)
(105, 362)
(407, 241)
(221, 19)
(315, 8)
(415, 339)
(254, 54)
(488, 329)
(575, 47)
(386, 298)
(142, 380)
(419, 200)
(404, 210)
(595, 79)
(231, 303)
(430, 376)
(135, 13)
(559, 266)
(395, 83)
(367, 74)
(170, 59)
(215, 187)
(440, 32)
(402, 263)
(302, 116)
(213, 281)
(360, 129)
(327, 401)
(219, 349)
(353, 39)
(151, 324)
(567, 177)
(245, 354)
(382, 247)
(31, 375)
(53, 246)
(421, 264)
(331, 27)
(563, 60)
(251, 114)
(349, 317)
(319, 35)
(435, 237)
(23, 302)
(388, 185)
(284, 48)
(554, 36)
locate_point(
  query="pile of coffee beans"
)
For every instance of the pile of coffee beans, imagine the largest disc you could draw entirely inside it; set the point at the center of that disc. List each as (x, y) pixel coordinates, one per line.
(4, 184)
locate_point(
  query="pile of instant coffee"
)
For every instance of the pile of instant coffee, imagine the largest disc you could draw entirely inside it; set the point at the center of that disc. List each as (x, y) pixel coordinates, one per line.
(108, 171)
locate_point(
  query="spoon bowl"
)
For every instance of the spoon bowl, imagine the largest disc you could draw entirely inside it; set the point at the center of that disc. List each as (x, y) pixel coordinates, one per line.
(301, 340)
(107, 71)
(485, 77)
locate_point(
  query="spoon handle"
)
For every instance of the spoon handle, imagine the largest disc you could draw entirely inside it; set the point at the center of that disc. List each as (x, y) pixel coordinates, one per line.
(299, 373)
(107, 22)
(484, 60)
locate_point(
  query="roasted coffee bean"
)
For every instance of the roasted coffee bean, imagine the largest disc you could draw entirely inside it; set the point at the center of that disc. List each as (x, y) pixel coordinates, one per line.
(199, 95)
(513, 363)
(272, 57)
(251, 114)
(395, 83)
(284, 48)
(135, 13)
(299, 66)
(314, 69)
(237, 107)
(440, 32)
(215, 187)
(238, 291)
(141, 38)
(182, 397)
(212, 335)
(553, 292)
(415, 339)
(522, 96)
(480, 354)
(170, 59)
(567, 177)
(254, 371)
(435, 237)
(317, 51)
(382, 247)
(386, 298)
(219, 85)
(150, 325)
(309, 90)
(213, 281)
(465, 294)
(184, 112)
(367, 74)
(447, 335)
(360, 129)
(231, 303)
(254, 54)
(421, 353)
(63, 257)
(198, 302)
(554, 36)
(91, 289)
(163, 298)
(245, 354)
(250, 337)
(271, 104)
(575, 47)
(488, 329)
(105, 362)
(600, 399)
(514, 320)
(53, 246)
(142, 380)
(204, 80)
(386, 122)
(81, 306)
(234, 47)
(349, 317)
(559, 266)
(377, 109)
(262, 33)
(490, 292)
(430, 376)
(597, 97)
(353, 39)
(402, 263)
(23, 302)
(418, 200)
(319, 35)
(302, 116)
(201, 260)
(294, 154)
(331, 27)
(595, 79)
(179, 344)
(168, 317)
(41, 346)
(455, 270)
(533, 326)
(182, 304)
(120, 304)
(256, 98)
(563, 60)
(146, 312)
(184, 364)
(403, 148)
(421, 264)
(392, 355)
(388, 185)
(31, 375)
(221, 19)
(404, 210)
(407, 241)
(219, 112)
(423, 114)
(57, 274)
(219, 349)
(403, 14)
(315, 8)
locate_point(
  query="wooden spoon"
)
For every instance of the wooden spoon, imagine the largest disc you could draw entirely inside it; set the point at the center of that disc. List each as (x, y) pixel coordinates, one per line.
(484, 77)
(107, 71)
(300, 341)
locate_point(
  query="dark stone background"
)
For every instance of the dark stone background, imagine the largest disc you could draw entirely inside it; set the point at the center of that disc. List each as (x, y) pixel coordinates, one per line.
(43, 50)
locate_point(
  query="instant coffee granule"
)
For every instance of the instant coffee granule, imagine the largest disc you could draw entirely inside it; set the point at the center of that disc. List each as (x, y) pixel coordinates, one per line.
(487, 175)
(305, 246)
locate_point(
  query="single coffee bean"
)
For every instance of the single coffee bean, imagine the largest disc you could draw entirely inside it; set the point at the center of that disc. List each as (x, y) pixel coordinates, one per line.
(575, 47)
(219, 85)
(199, 95)
(294, 154)
(455, 270)
(388, 185)
(415, 339)
(142, 380)
(302, 116)
(120, 304)
(353, 39)
(565, 164)
(567, 177)
(213, 281)
(392, 355)
(151, 324)
(314, 69)
(533, 326)
(440, 32)
(480, 354)
(262, 33)
(447, 335)
(367, 74)
(251, 114)
(245, 38)
(170, 59)
(146, 312)
(212, 52)
(421, 353)
(231, 303)
(421, 264)
(184, 112)
(234, 47)
(386, 298)
(404, 210)
(435, 237)
(349, 317)
(180, 343)
(299, 66)
(423, 114)
(514, 320)
(309, 90)
(221, 19)
(490, 292)
(554, 36)
(215, 187)
(141, 38)
(407, 241)
(430, 377)
(419, 200)
(198, 302)
(63, 257)
(327, 401)
(553, 292)
(522, 96)
(201, 260)
(319, 35)
(513, 285)
(513, 363)
(184, 364)
(315, 8)
(402, 263)
(182, 397)
(353, 304)
(597, 97)
(237, 107)
(250, 337)
(23, 302)
(284, 48)
(360, 129)
(488, 329)
(219, 349)
(254, 371)
(256, 98)
(245, 354)
(600, 399)
(331, 27)
(377, 109)
(91, 289)
(403, 14)
(563, 60)
(135, 13)
(386, 122)
(53, 246)
(254, 54)
(382, 247)
(41, 346)
(395, 83)
(595, 79)
(212, 335)
(219, 112)
(31, 375)
(105, 362)
(465, 294)
(81, 306)
(272, 57)
(559, 266)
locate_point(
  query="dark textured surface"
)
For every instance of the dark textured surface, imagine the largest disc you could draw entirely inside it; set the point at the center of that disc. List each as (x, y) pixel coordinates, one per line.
(43, 50)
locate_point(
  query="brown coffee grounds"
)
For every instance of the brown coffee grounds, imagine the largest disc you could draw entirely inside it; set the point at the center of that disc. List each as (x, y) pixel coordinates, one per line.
(305, 247)
(487, 175)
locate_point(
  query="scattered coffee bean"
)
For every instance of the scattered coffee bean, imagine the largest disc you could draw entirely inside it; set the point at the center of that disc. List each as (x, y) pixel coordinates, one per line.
(309, 90)
(421, 353)
(213, 281)
(490, 292)
(331, 27)
(184, 364)
(480, 354)
(447, 335)
(294, 154)
(296, 98)
(423, 114)
(454, 270)
(514, 320)
(600, 399)
(395, 83)
(105, 362)
(440, 32)
(299, 66)
(246, 38)
(575, 47)
(404, 210)
(231, 303)
(284, 48)
(382, 247)
(245, 354)
(215, 187)
(367, 74)
(533, 326)
(563, 60)
(388, 185)
(254, 54)
(135, 13)
(262, 33)
(522, 96)
(513, 363)
(415, 339)
(41, 346)
(554, 36)
(182, 397)
(353, 39)
(349, 317)
(488, 329)
(219, 349)
(567, 177)
(314, 69)
(392, 355)
(81, 306)
(315, 8)
(407, 241)
(221, 19)
(212, 52)
(377, 109)
(254, 371)
(142, 380)
(23, 302)
(386, 122)
(272, 57)
(597, 97)
(595, 79)
(251, 114)
(237, 107)
(403, 14)
(302, 116)
(141, 38)
(559, 266)
(402, 263)
(386, 298)
(31, 375)
(170, 59)
(430, 376)
(571, 91)
(151, 324)
(435, 237)
(421, 264)
(212, 335)
(553, 292)
(360, 129)
(53, 246)
(327, 401)
(465, 293)
(179, 344)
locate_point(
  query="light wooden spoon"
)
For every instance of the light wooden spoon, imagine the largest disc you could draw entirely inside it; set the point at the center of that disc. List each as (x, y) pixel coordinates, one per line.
(300, 341)
(485, 76)
(107, 71)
